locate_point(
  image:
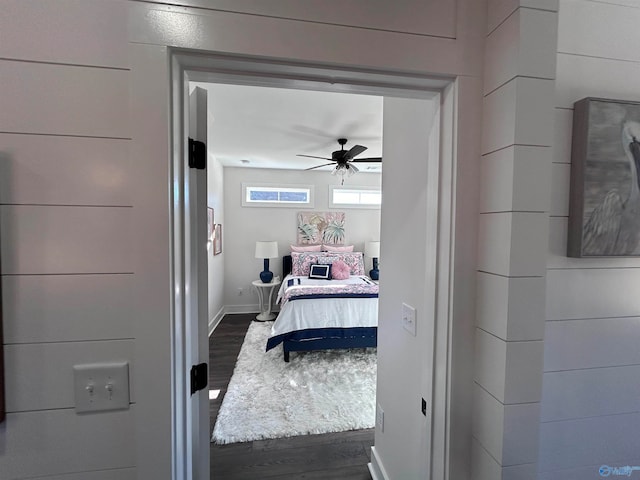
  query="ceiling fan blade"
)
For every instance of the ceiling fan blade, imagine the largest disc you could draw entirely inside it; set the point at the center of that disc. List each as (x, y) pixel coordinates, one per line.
(355, 150)
(318, 166)
(371, 159)
(313, 156)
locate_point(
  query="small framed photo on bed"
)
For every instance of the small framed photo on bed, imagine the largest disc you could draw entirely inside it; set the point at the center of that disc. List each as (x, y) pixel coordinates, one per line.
(321, 272)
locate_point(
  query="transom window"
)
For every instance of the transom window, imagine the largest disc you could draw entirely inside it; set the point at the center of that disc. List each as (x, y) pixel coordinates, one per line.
(256, 195)
(355, 197)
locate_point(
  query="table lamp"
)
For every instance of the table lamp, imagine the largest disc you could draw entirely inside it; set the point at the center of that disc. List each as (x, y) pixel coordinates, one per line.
(266, 250)
(372, 249)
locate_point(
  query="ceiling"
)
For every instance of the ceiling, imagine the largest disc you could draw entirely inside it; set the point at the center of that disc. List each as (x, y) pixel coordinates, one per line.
(265, 127)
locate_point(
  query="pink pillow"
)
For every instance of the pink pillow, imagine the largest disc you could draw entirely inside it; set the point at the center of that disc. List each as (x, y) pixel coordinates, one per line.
(331, 248)
(306, 248)
(339, 270)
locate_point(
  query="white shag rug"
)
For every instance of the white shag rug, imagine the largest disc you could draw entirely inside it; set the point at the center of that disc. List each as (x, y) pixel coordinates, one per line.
(316, 392)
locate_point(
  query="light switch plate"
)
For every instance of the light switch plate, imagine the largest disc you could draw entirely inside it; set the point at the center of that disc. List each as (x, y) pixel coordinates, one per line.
(101, 386)
(409, 318)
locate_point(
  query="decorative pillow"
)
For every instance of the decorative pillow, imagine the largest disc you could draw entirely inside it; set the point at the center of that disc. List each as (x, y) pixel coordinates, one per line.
(322, 272)
(306, 248)
(301, 262)
(333, 248)
(339, 270)
(354, 260)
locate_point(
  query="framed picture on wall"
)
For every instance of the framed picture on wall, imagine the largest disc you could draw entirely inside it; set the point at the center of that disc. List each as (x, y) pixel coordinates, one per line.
(210, 224)
(604, 203)
(315, 228)
(217, 239)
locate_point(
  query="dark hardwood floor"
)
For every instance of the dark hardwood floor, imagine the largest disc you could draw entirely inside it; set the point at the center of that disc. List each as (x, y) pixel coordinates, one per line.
(332, 456)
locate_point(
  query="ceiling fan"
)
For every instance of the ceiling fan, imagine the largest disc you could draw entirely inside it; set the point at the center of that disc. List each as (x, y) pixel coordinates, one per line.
(344, 159)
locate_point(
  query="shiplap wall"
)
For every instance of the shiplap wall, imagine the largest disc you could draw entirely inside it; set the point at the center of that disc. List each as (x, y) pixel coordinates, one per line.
(65, 212)
(589, 410)
(155, 26)
(66, 84)
(512, 237)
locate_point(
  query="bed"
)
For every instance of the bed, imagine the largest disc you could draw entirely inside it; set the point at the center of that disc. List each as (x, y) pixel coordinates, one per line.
(321, 314)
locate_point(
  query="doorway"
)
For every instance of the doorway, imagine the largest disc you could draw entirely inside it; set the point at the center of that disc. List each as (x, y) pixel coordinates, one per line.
(435, 195)
(266, 127)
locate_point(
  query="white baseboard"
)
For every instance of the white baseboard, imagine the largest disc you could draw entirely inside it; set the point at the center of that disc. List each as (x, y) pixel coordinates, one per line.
(242, 308)
(376, 469)
(213, 323)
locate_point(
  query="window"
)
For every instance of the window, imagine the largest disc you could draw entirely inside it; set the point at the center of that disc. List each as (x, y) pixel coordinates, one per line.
(271, 195)
(355, 197)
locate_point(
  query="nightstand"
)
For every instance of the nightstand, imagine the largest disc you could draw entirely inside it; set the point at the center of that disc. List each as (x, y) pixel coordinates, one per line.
(265, 297)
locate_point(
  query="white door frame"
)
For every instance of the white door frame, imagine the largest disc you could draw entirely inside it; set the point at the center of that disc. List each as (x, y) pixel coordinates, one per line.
(206, 67)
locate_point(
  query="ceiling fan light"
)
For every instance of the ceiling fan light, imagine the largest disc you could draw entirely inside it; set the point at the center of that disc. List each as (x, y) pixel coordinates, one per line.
(340, 169)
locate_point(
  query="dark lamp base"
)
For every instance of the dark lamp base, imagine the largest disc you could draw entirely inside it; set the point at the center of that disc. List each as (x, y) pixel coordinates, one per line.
(374, 273)
(266, 276)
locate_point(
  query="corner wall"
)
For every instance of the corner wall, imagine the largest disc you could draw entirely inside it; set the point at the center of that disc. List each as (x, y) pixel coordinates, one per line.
(512, 237)
(589, 410)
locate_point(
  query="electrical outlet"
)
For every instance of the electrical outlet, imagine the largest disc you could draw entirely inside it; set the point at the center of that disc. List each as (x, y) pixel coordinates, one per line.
(380, 418)
(240, 291)
(409, 319)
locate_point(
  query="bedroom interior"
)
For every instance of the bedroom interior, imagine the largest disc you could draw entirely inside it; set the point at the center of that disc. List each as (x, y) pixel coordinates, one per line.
(271, 231)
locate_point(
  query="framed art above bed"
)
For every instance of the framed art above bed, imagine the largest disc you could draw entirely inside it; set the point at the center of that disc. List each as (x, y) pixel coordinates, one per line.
(315, 228)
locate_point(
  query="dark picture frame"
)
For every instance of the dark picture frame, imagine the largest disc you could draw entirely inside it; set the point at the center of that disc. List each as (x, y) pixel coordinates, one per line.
(217, 239)
(604, 201)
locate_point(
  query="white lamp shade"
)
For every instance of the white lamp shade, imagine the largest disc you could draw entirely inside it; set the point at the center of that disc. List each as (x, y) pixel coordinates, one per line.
(266, 249)
(372, 249)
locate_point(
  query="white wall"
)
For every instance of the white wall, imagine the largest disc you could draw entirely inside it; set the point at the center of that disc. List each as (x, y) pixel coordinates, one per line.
(85, 200)
(155, 27)
(589, 412)
(400, 394)
(216, 271)
(66, 196)
(245, 225)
